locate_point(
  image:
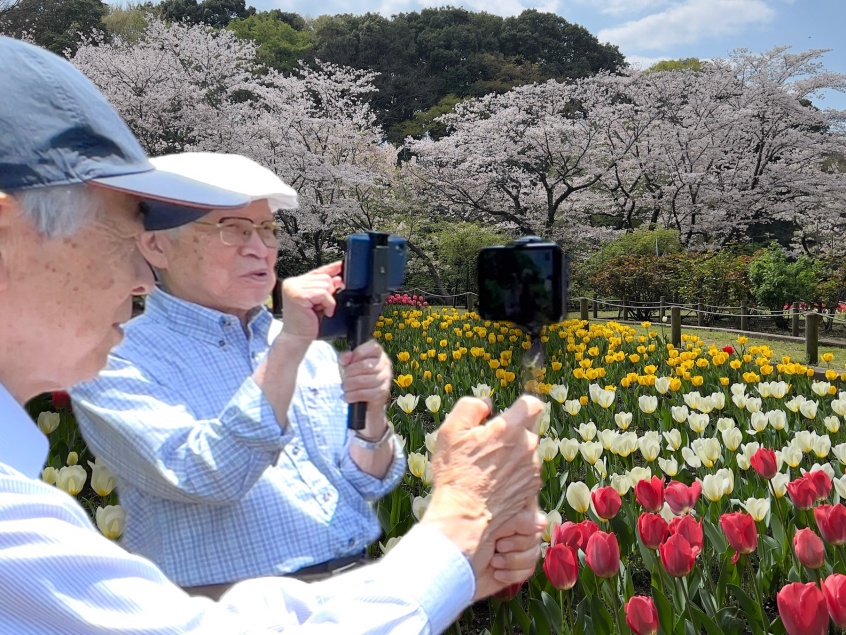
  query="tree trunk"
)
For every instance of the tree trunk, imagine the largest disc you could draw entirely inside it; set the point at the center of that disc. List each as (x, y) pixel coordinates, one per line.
(436, 278)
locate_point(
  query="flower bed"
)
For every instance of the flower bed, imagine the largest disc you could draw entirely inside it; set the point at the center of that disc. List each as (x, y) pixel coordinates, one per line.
(688, 489)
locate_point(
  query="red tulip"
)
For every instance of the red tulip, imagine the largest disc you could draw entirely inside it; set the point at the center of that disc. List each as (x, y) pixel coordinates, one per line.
(641, 615)
(802, 493)
(652, 529)
(728, 349)
(691, 530)
(682, 498)
(606, 502)
(831, 521)
(650, 494)
(561, 566)
(569, 534)
(677, 556)
(740, 531)
(809, 548)
(821, 482)
(509, 592)
(60, 399)
(588, 529)
(603, 554)
(764, 463)
(802, 609)
(834, 590)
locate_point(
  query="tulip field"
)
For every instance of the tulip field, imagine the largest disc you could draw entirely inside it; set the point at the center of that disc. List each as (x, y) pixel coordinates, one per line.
(689, 490)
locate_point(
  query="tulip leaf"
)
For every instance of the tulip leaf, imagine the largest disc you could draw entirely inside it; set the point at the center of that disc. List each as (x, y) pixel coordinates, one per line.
(750, 607)
(715, 536)
(518, 615)
(705, 622)
(540, 619)
(665, 609)
(729, 622)
(602, 622)
(778, 534)
(552, 610)
(777, 627)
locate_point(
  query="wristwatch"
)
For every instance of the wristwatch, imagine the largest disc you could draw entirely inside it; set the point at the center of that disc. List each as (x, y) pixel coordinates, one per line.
(367, 444)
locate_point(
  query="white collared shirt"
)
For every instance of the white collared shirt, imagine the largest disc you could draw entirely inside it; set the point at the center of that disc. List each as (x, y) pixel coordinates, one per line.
(58, 574)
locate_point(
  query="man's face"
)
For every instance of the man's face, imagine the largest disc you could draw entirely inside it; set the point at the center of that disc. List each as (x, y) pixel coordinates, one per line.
(71, 294)
(197, 266)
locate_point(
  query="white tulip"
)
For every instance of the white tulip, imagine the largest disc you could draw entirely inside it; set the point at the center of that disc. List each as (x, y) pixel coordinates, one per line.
(759, 421)
(753, 404)
(738, 389)
(840, 486)
(389, 544)
(600, 396)
(692, 399)
(559, 393)
(419, 505)
(649, 448)
(713, 487)
(433, 403)
(724, 423)
(758, 508)
(821, 388)
(587, 431)
(417, 464)
(620, 483)
(71, 479)
(673, 439)
(662, 384)
(697, 422)
(407, 403)
(481, 391)
(804, 441)
(679, 413)
(553, 519)
(572, 406)
(548, 449)
(591, 451)
(670, 466)
(102, 479)
(690, 458)
(822, 446)
(647, 403)
(608, 437)
(832, 424)
(48, 421)
(739, 400)
(791, 455)
(838, 406)
(732, 438)
(111, 520)
(779, 484)
(638, 474)
(777, 419)
(569, 448)
(431, 441)
(809, 409)
(840, 452)
(623, 420)
(578, 496)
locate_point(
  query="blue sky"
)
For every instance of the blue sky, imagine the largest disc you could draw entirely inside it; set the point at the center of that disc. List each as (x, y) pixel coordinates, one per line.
(651, 30)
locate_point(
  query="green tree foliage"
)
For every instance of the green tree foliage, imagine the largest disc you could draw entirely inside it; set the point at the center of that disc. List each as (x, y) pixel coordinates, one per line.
(686, 64)
(458, 246)
(279, 44)
(423, 58)
(777, 283)
(54, 24)
(128, 21)
(217, 13)
(562, 50)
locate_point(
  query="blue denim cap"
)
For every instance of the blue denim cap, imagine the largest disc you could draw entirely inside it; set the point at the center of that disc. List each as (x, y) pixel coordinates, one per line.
(56, 128)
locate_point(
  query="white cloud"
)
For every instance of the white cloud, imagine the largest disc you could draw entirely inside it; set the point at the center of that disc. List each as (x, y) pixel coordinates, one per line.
(687, 23)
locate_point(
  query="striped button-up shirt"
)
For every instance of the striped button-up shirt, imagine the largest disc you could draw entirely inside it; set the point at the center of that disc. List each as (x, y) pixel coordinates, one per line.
(59, 575)
(214, 491)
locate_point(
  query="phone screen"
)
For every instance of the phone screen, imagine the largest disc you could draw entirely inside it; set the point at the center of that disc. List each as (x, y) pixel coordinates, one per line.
(521, 284)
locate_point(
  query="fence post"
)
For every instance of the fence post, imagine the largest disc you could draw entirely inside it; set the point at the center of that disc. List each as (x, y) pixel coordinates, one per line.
(700, 314)
(455, 296)
(675, 325)
(812, 323)
(663, 310)
(624, 309)
(583, 309)
(744, 317)
(794, 319)
(595, 307)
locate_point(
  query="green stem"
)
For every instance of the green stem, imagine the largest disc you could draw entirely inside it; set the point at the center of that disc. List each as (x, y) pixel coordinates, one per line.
(565, 618)
(687, 607)
(758, 595)
(614, 603)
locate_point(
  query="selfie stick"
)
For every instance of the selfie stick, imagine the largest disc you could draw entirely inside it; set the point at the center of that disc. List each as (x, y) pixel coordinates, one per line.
(370, 310)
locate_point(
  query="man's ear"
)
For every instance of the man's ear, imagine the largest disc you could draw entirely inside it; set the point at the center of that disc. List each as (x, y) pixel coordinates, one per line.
(155, 247)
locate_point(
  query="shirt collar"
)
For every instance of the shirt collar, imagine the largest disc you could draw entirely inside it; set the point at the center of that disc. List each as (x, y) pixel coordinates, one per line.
(200, 322)
(24, 446)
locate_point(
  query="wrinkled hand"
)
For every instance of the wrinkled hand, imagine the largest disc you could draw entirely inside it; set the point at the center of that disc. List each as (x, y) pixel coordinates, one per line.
(307, 298)
(366, 374)
(516, 553)
(484, 477)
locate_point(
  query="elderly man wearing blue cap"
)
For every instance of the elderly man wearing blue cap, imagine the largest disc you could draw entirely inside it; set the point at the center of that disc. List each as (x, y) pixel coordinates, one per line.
(74, 184)
(214, 491)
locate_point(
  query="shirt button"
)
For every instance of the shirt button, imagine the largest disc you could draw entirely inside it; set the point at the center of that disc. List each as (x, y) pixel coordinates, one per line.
(295, 450)
(222, 343)
(326, 497)
(351, 543)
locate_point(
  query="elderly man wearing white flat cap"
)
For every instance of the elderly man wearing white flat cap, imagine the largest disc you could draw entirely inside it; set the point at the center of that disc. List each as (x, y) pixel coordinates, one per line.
(216, 487)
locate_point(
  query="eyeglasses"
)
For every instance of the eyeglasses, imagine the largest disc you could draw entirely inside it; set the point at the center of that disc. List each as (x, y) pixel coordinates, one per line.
(237, 232)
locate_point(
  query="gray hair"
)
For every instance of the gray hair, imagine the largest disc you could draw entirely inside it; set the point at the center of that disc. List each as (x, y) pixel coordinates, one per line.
(60, 211)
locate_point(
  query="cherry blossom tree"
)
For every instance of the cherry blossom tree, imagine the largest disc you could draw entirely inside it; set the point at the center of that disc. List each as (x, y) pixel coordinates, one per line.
(189, 87)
